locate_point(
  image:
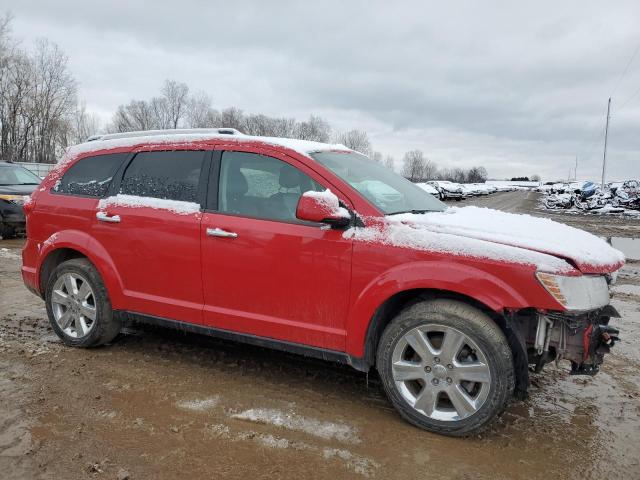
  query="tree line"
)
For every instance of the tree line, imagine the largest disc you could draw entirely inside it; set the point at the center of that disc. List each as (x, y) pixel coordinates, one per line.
(418, 168)
(41, 115)
(37, 99)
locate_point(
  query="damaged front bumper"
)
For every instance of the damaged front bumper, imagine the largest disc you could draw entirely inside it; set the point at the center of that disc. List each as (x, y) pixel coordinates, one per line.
(582, 338)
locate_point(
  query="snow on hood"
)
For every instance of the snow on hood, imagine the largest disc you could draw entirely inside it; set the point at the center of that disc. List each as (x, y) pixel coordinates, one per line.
(486, 233)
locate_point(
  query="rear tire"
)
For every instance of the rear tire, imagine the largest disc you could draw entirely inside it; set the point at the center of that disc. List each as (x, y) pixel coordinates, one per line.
(446, 367)
(78, 305)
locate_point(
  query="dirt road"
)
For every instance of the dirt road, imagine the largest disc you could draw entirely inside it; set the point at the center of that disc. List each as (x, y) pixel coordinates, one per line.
(162, 405)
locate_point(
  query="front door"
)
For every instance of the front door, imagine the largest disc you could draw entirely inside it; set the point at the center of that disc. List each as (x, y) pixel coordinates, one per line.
(151, 230)
(265, 272)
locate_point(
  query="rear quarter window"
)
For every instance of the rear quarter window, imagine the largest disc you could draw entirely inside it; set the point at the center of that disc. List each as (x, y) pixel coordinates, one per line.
(90, 176)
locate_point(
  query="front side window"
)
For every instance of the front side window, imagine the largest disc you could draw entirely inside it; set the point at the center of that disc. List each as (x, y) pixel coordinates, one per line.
(388, 191)
(90, 176)
(254, 185)
(169, 175)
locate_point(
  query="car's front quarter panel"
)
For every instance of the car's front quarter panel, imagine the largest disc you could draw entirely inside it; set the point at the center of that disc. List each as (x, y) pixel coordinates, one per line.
(382, 271)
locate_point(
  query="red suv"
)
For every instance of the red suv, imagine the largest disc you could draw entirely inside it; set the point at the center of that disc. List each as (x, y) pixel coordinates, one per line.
(314, 249)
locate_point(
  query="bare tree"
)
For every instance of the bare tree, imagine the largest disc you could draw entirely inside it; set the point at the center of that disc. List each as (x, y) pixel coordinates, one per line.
(174, 100)
(413, 165)
(535, 178)
(430, 171)
(357, 140)
(200, 113)
(85, 124)
(377, 157)
(389, 162)
(232, 118)
(315, 129)
(37, 99)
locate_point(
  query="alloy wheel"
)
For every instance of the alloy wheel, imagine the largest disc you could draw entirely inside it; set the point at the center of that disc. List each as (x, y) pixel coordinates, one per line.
(441, 372)
(74, 305)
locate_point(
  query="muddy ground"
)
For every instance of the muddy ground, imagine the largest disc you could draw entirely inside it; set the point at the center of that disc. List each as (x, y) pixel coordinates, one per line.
(161, 405)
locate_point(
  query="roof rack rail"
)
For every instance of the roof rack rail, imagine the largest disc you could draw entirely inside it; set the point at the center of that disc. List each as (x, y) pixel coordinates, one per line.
(178, 131)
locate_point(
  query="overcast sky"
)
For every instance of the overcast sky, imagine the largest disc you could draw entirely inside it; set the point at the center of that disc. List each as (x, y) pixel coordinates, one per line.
(520, 88)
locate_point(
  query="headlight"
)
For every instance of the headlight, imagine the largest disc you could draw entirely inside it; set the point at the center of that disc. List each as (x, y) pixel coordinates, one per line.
(17, 199)
(584, 292)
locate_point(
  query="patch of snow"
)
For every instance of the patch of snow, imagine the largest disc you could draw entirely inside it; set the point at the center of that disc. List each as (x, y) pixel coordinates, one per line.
(303, 147)
(292, 421)
(219, 430)
(6, 253)
(133, 201)
(486, 233)
(627, 289)
(330, 200)
(360, 465)
(199, 405)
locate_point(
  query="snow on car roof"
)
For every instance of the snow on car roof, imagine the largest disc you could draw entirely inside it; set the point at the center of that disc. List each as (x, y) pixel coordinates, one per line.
(303, 147)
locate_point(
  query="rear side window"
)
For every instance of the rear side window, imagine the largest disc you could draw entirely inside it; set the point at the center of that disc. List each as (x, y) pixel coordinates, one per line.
(90, 176)
(169, 175)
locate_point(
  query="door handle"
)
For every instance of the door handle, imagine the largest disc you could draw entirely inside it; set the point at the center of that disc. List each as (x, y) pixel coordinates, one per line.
(103, 217)
(218, 232)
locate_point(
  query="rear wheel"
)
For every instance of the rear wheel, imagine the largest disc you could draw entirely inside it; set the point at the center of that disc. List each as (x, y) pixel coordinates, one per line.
(446, 367)
(78, 305)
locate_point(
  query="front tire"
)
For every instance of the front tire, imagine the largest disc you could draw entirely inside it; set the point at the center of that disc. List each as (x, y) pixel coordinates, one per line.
(446, 367)
(78, 305)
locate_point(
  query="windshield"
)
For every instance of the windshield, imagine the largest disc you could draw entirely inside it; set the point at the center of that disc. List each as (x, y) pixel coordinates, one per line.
(15, 175)
(387, 190)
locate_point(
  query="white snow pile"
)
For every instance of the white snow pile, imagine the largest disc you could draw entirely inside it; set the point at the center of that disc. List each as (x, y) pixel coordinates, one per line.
(133, 201)
(199, 405)
(486, 233)
(329, 200)
(6, 253)
(292, 421)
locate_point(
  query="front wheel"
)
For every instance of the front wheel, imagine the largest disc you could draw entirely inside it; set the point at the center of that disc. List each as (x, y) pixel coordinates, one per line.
(78, 305)
(446, 367)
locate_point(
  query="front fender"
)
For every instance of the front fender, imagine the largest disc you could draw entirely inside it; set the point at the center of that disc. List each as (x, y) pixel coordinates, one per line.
(95, 253)
(459, 278)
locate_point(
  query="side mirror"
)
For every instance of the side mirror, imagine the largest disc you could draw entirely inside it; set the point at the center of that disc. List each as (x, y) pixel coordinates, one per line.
(322, 207)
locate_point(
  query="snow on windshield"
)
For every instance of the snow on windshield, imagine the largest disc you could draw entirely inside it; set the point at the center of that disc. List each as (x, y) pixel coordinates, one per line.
(175, 206)
(486, 233)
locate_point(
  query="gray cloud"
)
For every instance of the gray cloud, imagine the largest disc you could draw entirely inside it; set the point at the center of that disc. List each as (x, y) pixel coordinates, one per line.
(520, 88)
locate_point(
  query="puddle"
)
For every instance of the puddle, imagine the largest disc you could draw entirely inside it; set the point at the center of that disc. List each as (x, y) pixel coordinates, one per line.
(627, 245)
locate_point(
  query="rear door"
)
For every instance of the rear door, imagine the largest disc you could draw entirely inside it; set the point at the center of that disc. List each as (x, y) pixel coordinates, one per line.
(265, 272)
(150, 227)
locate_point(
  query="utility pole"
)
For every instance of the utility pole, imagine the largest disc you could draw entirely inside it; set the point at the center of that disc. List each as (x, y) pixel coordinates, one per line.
(575, 171)
(606, 134)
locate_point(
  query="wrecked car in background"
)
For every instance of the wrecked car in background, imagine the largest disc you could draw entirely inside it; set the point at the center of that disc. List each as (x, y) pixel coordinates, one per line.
(617, 197)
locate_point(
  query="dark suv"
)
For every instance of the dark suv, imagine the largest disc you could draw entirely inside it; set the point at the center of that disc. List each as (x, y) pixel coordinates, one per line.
(16, 182)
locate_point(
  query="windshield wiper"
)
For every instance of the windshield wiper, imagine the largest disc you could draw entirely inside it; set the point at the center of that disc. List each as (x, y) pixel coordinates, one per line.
(411, 211)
